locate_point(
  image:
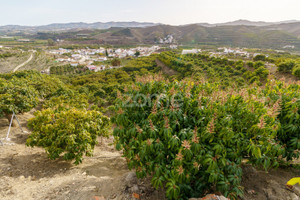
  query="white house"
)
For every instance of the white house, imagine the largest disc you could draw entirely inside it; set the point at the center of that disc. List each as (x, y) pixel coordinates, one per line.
(92, 67)
(130, 53)
(76, 56)
(102, 58)
(188, 51)
(289, 47)
(74, 64)
(118, 51)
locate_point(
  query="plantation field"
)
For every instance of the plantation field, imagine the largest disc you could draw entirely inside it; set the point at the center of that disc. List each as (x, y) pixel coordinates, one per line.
(40, 61)
(7, 64)
(27, 173)
(167, 126)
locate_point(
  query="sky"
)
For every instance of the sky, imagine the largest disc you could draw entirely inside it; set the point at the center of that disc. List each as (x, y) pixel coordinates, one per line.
(173, 12)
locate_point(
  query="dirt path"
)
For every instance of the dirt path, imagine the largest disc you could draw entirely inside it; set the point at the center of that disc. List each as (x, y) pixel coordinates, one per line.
(165, 69)
(24, 63)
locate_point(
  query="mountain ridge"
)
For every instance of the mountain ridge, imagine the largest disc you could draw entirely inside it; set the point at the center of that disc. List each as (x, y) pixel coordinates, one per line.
(75, 25)
(128, 24)
(240, 33)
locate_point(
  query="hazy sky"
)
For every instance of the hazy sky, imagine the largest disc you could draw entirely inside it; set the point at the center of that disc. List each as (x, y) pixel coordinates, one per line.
(175, 12)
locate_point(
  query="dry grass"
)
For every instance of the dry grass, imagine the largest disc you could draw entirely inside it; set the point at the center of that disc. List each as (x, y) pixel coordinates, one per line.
(9, 63)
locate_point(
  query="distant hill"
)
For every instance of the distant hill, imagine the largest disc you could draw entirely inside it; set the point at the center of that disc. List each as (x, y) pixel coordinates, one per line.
(240, 33)
(273, 36)
(243, 22)
(293, 28)
(73, 26)
(242, 36)
(106, 25)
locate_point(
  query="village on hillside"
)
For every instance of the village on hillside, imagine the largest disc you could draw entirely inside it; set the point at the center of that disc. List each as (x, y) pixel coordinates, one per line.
(89, 56)
(100, 58)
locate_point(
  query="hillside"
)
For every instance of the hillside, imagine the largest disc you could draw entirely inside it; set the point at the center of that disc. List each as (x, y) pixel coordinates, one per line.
(107, 25)
(245, 36)
(293, 28)
(241, 33)
(8, 29)
(241, 36)
(254, 23)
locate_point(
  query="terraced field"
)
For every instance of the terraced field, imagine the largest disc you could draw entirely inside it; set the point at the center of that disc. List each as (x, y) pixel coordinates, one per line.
(7, 64)
(40, 61)
(25, 61)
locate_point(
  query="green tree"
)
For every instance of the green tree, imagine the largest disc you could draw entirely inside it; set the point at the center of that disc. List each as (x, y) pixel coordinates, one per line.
(260, 57)
(16, 96)
(137, 54)
(286, 66)
(71, 133)
(194, 137)
(258, 64)
(50, 42)
(262, 72)
(116, 62)
(296, 71)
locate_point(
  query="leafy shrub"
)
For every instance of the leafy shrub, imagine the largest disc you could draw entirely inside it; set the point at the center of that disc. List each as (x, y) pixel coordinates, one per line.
(250, 64)
(262, 72)
(72, 133)
(16, 96)
(260, 57)
(44, 84)
(254, 79)
(258, 64)
(296, 71)
(67, 69)
(286, 66)
(66, 102)
(247, 74)
(191, 137)
(7, 54)
(287, 107)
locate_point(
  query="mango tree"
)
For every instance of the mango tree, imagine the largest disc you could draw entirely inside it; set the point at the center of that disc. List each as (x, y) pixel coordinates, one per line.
(70, 133)
(192, 137)
(17, 97)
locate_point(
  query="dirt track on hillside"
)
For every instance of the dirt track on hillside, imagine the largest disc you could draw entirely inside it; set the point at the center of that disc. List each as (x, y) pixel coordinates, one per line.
(165, 69)
(24, 63)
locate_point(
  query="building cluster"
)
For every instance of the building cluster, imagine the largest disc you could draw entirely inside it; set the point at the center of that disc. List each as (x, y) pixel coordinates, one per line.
(223, 51)
(190, 51)
(169, 39)
(88, 56)
(137, 51)
(96, 68)
(289, 47)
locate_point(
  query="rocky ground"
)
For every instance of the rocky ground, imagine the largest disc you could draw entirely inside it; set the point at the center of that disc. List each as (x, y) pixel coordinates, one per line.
(27, 173)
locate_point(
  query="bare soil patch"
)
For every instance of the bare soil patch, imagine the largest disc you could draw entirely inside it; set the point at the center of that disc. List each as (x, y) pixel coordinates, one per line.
(165, 69)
